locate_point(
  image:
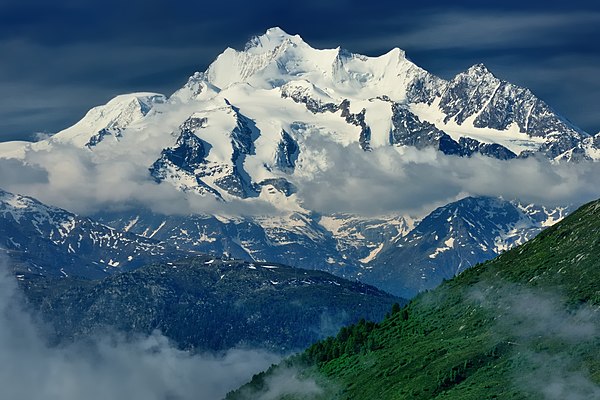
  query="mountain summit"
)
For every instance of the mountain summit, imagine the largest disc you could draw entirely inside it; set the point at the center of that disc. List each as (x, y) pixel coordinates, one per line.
(371, 101)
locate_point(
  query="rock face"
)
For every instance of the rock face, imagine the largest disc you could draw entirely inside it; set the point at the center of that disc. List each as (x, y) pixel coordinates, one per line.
(453, 238)
(477, 95)
(111, 119)
(409, 130)
(496, 104)
(286, 153)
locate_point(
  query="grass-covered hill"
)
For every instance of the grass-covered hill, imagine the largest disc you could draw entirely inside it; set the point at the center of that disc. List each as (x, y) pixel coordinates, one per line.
(525, 325)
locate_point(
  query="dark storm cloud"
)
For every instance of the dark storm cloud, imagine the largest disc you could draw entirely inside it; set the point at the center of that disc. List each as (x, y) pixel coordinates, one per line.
(476, 30)
(61, 58)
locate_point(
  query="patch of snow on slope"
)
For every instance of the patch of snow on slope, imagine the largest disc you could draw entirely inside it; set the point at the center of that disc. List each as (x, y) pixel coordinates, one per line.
(449, 244)
(372, 254)
(15, 149)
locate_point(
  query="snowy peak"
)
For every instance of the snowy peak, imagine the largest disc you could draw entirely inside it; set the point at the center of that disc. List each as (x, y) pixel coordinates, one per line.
(269, 61)
(277, 58)
(233, 66)
(20, 207)
(210, 153)
(364, 70)
(388, 100)
(110, 119)
(270, 40)
(468, 94)
(475, 112)
(196, 88)
(476, 97)
(478, 70)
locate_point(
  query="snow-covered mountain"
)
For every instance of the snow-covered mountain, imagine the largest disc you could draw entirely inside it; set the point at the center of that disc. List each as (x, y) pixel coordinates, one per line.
(264, 100)
(251, 131)
(453, 238)
(41, 239)
(340, 244)
(110, 119)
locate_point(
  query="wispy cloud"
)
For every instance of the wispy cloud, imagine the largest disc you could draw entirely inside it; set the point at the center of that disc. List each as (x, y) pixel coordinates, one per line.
(70, 178)
(545, 332)
(412, 181)
(283, 382)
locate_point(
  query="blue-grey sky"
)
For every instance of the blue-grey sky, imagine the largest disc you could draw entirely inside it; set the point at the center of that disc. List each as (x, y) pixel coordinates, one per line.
(60, 58)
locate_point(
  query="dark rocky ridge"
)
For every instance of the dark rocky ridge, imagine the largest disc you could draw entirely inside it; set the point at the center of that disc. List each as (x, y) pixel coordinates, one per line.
(209, 304)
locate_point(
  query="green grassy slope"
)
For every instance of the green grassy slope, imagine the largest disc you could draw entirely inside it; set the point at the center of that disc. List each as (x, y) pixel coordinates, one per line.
(524, 325)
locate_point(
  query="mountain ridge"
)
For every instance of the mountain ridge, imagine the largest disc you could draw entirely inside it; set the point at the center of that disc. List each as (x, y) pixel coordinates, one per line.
(489, 95)
(49, 241)
(203, 303)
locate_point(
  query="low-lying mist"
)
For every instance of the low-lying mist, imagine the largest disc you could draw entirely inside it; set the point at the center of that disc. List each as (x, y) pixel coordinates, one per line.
(110, 366)
(551, 340)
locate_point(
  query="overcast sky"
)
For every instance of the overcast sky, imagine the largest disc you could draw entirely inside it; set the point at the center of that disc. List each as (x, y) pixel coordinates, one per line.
(60, 58)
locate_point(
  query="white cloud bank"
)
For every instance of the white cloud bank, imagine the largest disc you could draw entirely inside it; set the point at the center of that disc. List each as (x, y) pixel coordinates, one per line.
(334, 179)
(414, 181)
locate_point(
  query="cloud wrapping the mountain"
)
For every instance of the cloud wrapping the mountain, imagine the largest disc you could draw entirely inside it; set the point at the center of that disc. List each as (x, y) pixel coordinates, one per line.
(393, 180)
(112, 367)
(69, 178)
(284, 381)
(14, 173)
(334, 179)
